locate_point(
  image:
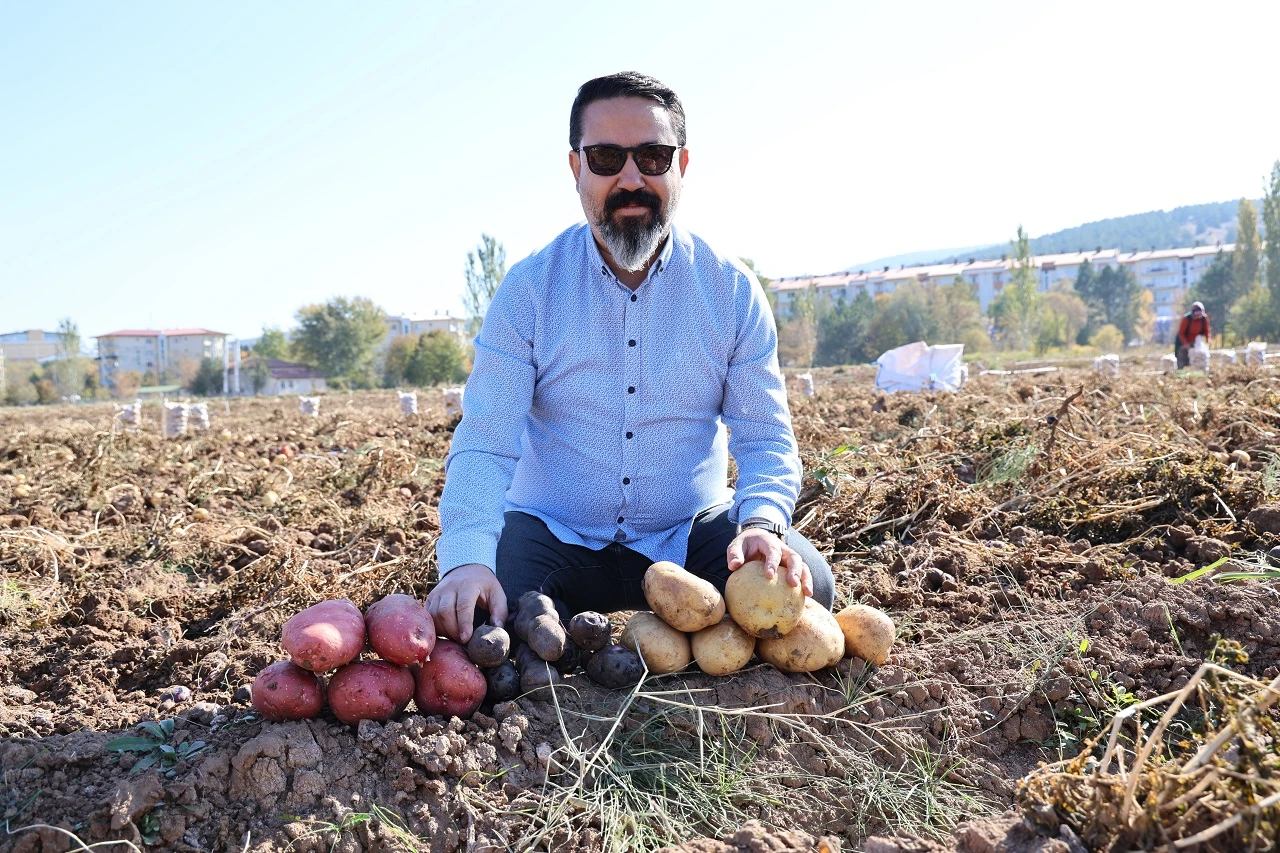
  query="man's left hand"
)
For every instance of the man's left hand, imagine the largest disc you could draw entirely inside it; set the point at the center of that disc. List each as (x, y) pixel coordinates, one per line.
(752, 544)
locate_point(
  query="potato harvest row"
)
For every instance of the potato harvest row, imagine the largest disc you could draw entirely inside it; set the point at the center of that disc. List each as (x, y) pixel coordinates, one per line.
(1056, 629)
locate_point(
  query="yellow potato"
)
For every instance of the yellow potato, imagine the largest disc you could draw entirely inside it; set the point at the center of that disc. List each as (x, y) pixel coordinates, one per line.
(814, 644)
(722, 648)
(868, 633)
(663, 648)
(763, 608)
(685, 601)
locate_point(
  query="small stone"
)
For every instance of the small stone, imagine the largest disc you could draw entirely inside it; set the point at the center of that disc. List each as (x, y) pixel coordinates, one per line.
(1265, 519)
(934, 579)
(243, 694)
(176, 694)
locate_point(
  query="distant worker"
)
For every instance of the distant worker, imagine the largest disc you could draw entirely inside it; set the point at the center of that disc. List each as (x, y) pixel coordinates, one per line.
(1192, 326)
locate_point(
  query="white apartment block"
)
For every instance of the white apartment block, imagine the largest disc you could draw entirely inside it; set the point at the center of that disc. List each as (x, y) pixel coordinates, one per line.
(399, 325)
(1167, 273)
(164, 353)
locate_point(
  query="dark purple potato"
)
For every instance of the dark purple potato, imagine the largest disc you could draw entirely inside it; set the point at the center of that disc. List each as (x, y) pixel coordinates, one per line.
(489, 646)
(590, 630)
(615, 667)
(503, 681)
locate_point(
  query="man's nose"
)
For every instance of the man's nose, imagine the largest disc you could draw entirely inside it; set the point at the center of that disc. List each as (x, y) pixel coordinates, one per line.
(630, 177)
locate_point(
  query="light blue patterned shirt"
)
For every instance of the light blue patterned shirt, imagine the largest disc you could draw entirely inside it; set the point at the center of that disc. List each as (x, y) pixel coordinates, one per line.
(603, 412)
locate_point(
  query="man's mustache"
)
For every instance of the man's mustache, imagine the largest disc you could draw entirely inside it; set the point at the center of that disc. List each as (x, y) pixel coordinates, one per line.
(625, 198)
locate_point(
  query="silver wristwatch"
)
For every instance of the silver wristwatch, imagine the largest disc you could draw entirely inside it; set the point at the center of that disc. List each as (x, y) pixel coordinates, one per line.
(779, 530)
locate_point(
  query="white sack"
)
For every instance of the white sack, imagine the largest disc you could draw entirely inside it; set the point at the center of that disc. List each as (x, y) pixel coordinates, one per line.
(919, 367)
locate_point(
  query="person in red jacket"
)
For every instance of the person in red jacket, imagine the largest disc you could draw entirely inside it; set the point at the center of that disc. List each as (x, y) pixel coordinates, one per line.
(1193, 325)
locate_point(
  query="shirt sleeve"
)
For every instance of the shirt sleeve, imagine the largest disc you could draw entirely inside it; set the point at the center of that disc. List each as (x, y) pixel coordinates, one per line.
(486, 444)
(755, 410)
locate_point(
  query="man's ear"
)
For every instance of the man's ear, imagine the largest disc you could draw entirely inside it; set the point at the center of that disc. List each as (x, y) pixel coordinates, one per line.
(575, 165)
(684, 160)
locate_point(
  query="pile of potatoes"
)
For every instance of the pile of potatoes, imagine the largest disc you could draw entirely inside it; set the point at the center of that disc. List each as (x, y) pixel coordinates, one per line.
(437, 674)
(691, 621)
(413, 664)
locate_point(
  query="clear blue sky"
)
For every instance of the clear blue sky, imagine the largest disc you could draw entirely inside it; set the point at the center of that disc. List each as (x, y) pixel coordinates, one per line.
(221, 164)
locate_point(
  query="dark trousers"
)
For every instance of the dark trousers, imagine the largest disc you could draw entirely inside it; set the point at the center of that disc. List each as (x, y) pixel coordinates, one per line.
(1182, 354)
(530, 557)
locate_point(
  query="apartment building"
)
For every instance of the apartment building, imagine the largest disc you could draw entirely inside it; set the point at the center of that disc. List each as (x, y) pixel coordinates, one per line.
(29, 345)
(399, 325)
(1167, 273)
(163, 353)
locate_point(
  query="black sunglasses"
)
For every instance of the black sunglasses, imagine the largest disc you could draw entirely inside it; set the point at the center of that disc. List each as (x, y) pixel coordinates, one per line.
(607, 160)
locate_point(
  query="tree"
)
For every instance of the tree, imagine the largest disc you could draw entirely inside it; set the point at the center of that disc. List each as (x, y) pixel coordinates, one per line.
(396, 361)
(437, 357)
(1271, 222)
(486, 268)
(1248, 253)
(207, 381)
(67, 371)
(842, 332)
(272, 344)
(1123, 300)
(798, 336)
(1251, 318)
(259, 373)
(1016, 310)
(1108, 338)
(1216, 289)
(127, 383)
(340, 337)
(1065, 315)
(901, 317)
(957, 314)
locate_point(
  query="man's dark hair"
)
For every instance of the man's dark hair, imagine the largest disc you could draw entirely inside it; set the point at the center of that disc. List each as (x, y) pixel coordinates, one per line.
(624, 84)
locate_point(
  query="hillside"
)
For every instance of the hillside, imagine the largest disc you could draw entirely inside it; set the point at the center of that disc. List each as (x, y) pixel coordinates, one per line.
(1190, 225)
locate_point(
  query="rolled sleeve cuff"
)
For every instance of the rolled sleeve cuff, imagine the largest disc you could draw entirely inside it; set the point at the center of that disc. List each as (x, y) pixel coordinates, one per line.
(464, 549)
(757, 508)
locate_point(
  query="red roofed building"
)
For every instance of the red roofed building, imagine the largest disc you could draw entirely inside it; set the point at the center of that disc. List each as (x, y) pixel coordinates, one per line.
(168, 355)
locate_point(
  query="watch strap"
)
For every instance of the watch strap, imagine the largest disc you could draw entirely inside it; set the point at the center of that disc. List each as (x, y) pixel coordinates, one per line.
(779, 530)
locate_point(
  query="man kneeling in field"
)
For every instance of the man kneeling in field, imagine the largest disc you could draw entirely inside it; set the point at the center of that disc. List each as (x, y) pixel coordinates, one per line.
(615, 372)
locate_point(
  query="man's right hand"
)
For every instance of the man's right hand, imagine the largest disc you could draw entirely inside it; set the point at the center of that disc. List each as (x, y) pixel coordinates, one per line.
(452, 603)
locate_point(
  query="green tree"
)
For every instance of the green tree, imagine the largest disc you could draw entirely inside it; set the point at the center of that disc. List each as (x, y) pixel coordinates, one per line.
(207, 381)
(1016, 311)
(67, 372)
(956, 314)
(901, 317)
(1216, 289)
(259, 372)
(486, 268)
(1123, 301)
(396, 361)
(437, 357)
(272, 344)
(842, 332)
(1271, 222)
(798, 334)
(1251, 318)
(1064, 315)
(340, 337)
(1248, 253)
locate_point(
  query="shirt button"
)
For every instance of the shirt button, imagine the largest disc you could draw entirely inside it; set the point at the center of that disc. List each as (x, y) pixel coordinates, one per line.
(631, 342)
(631, 390)
(633, 297)
(626, 481)
(629, 435)
(620, 519)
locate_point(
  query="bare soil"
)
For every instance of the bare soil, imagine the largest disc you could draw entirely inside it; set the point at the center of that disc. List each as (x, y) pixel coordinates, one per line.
(1023, 533)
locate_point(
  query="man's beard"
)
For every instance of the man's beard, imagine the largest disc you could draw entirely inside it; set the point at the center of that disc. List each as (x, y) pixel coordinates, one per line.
(633, 242)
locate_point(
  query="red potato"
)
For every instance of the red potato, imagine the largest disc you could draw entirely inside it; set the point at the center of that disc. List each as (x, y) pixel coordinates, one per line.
(449, 684)
(286, 691)
(400, 629)
(325, 635)
(370, 690)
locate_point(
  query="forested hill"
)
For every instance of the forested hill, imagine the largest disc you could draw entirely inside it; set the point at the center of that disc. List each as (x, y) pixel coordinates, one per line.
(1190, 225)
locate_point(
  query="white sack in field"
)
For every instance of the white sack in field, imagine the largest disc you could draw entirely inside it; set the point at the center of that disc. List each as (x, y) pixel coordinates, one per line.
(920, 367)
